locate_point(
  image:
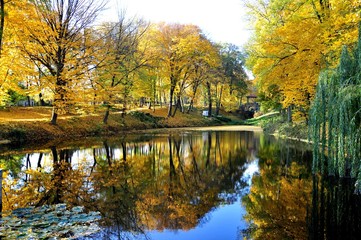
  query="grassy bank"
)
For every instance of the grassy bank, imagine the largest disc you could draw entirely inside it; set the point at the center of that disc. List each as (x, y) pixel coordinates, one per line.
(28, 124)
(275, 124)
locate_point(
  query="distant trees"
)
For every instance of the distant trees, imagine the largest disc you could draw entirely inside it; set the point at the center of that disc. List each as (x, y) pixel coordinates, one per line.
(60, 56)
(175, 45)
(190, 61)
(123, 59)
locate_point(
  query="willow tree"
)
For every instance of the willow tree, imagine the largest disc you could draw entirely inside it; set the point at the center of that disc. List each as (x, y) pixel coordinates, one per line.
(336, 117)
(57, 36)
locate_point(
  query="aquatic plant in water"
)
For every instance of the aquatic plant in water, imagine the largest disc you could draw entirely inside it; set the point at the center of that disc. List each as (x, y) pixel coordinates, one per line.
(335, 118)
(49, 222)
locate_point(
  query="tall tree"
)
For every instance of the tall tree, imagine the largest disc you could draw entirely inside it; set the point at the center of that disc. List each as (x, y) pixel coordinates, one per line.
(57, 42)
(203, 63)
(123, 61)
(175, 45)
(294, 40)
(336, 118)
(232, 72)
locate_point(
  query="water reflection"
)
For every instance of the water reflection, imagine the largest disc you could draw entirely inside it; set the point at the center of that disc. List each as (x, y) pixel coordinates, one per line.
(279, 196)
(188, 186)
(159, 182)
(336, 209)
(287, 202)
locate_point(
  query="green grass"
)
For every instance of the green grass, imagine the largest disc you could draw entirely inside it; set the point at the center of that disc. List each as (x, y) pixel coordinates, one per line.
(259, 121)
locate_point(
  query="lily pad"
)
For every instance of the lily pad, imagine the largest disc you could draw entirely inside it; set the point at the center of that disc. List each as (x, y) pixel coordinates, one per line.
(49, 222)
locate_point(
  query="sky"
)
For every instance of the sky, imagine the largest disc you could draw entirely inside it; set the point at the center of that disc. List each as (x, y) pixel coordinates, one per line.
(221, 20)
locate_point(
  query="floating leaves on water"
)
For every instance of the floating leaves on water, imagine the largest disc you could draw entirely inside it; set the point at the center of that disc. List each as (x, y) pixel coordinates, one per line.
(52, 222)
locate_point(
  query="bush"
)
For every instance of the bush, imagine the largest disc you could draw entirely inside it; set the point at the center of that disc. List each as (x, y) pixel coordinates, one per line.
(223, 119)
(17, 135)
(277, 125)
(145, 117)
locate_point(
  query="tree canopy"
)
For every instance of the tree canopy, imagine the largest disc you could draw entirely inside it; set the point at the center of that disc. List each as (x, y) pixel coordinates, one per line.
(293, 41)
(61, 57)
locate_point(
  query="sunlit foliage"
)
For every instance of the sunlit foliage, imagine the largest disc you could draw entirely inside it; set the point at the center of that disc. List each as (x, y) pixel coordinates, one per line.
(293, 41)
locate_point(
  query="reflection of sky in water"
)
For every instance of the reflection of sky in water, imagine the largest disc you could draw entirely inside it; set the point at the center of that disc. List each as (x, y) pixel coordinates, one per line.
(251, 169)
(225, 222)
(222, 222)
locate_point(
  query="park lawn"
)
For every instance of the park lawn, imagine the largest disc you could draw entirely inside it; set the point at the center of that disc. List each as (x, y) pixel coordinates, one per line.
(24, 124)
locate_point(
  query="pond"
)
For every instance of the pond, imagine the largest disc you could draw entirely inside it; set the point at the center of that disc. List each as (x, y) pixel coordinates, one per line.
(183, 185)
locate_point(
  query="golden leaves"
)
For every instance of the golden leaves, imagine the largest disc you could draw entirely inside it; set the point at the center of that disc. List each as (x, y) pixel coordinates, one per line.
(294, 40)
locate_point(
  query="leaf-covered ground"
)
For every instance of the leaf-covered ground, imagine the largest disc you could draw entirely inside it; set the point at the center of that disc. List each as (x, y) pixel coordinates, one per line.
(32, 124)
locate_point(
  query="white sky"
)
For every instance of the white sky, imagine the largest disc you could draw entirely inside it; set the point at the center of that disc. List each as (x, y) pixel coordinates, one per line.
(220, 20)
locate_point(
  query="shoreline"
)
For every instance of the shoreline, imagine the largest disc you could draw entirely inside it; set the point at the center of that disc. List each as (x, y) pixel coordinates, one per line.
(220, 128)
(32, 129)
(88, 140)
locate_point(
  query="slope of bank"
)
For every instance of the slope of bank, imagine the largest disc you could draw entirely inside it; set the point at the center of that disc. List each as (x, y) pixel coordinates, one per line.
(24, 125)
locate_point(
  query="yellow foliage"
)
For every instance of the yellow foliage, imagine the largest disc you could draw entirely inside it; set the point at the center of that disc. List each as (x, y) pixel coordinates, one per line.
(294, 40)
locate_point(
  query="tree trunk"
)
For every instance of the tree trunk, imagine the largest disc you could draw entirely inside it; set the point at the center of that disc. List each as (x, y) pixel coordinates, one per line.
(2, 22)
(106, 116)
(154, 94)
(190, 107)
(54, 116)
(181, 105)
(60, 95)
(218, 104)
(42, 102)
(171, 93)
(177, 105)
(289, 114)
(209, 99)
(39, 160)
(28, 100)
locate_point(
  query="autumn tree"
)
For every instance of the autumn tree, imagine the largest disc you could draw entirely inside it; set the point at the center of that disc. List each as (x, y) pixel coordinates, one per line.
(204, 61)
(56, 34)
(175, 43)
(282, 183)
(10, 60)
(123, 59)
(294, 40)
(232, 74)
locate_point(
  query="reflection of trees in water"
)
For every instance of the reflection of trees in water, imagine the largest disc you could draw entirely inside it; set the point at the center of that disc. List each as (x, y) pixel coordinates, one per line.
(336, 209)
(280, 195)
(287, 202)
(166, 182)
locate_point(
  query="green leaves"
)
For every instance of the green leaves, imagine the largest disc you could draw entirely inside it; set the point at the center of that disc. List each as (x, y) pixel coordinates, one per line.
(337, 107)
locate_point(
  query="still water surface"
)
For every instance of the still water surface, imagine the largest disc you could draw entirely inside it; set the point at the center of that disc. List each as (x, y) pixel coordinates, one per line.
(188, 185)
